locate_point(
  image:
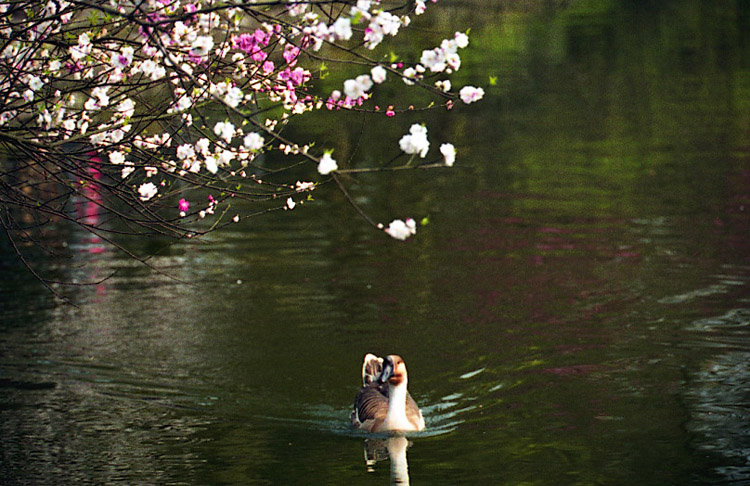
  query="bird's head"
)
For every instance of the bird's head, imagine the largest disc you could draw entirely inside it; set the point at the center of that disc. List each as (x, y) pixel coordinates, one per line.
(394, 370)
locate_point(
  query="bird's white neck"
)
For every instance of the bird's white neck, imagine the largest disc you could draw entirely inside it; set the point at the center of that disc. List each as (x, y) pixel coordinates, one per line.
(396, 419)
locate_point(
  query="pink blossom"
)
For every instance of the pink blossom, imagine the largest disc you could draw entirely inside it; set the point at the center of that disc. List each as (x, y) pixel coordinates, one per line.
(244, 42)
(183, 205)
(290, 54)
(250, 44)
(262, 37)
(74, 68)
(294, 77)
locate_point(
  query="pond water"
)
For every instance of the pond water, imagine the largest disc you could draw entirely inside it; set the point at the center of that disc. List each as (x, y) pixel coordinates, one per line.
(577, 310)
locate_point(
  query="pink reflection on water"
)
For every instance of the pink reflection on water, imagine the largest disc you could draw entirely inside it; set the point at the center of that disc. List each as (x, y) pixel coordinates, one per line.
(89, 213)
(88, 208)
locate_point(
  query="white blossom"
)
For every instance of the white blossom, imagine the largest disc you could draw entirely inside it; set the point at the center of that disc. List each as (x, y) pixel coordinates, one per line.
(147, 191)
(126, 108)
(127, 170)
(410, 74)
(362, 9)
(378, 74)
(123, 58)
(226, 157)
(444, 85)
(449, 153)
(415, 142)
(100, 93)
(470, 94)
(35, 83)
(234, 96)
(384, 23)
(82, 49)
(462, 40)
(202, 45)
(116, 157)
(202, 146)
(342, 28)
(297, 9)
(434, 60)
(304, 186)
(153, 70)
(453, 60)
(327, 164)
(401, 230)
(184, 103)
(358, 87)
(185, 151)
(253, 142)
(388, 22)
(224, 130)
(211, 164)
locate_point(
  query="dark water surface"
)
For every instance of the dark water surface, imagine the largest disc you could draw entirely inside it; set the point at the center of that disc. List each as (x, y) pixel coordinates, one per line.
(577, 310)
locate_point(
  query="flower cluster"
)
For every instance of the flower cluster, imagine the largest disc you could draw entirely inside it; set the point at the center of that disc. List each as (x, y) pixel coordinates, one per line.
(131, 81)
(416, 142)
(442, 59)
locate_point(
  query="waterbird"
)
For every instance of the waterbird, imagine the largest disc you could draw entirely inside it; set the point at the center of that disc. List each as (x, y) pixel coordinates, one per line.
(383, 403)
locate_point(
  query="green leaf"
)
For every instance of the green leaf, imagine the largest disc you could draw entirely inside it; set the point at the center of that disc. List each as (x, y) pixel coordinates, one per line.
(93, 18)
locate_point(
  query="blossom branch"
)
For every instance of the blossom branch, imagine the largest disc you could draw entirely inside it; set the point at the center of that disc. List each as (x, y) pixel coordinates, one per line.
(160, 113)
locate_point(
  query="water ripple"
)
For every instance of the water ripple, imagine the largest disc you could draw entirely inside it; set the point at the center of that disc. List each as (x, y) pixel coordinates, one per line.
(718, 396)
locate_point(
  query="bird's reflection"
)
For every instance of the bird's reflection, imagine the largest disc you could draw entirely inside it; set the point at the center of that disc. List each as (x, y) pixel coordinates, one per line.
(393, 448)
